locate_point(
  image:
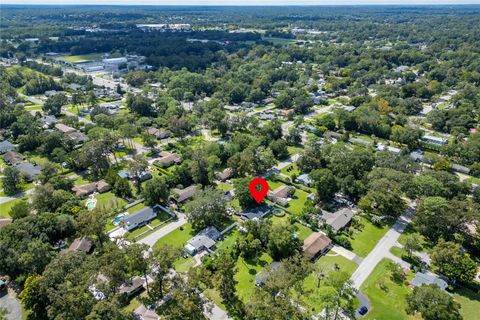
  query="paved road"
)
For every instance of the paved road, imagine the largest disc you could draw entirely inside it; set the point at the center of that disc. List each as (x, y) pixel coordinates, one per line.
(151, 239)
(381, 250)
(18, 195)
(12, 305)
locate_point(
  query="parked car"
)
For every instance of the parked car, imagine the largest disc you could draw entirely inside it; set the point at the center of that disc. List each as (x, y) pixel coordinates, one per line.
(362, 310)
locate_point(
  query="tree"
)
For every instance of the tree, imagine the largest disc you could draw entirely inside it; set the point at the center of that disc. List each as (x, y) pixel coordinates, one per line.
(149, 141)
(155, 191)
(433, 304)
(448, 258)
(242, 193)
(208, 208)
(339, 295)
(92, 223)
(224, 277)
(281, 241)
(325, 183)
(77, 99)
(136, 168)
(19, 210)
(184, 302)
(108, 309)
(122, 188)
(162, 261)
(11, 181)
(54, 104)
(412, 243)
(138, 260)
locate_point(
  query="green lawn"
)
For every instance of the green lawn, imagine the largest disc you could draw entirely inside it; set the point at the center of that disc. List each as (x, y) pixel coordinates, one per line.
(311, 296)
(470, 302)
(294, 150)
(5, 207)
(293, 170)
(302, 231)
(364, 241)
(245, 275)
(295, 205)
(177, 238)
(390, 302)
(109, 201)
(82, 58)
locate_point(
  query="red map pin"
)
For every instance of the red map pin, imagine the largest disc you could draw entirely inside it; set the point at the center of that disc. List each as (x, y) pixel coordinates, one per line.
(258, 189)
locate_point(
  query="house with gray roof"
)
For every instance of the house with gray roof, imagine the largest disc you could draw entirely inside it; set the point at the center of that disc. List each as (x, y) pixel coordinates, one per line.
(429, 278)
(181, 195)
(28, 170)
(13, 158)
(304, 179)
(139, 218)
(265, 275)
(204, 240)
(258, 212)
(6, 146)
(338, 219)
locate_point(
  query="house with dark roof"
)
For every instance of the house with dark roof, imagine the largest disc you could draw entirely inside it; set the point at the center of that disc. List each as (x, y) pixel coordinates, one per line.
(13, 158)
(338, 219)
(315, 245)
(204, 240)
(181, 195)
(258, 212)
(81, 245)
(429, 278)
(6, 146)
(48, 120)
(159, 133)
(78, 137)
(139, 218)
(28, 170)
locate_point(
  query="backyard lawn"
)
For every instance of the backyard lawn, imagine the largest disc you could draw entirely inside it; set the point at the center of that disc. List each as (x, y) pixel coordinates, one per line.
(108, 201)
(82, 58)
(389, 302)
(364, 241)
(470, 302)
(247, 269)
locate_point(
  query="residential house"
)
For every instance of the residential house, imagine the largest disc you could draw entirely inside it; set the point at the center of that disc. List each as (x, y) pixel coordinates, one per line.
(267, 117)
(81, 245)
(28, 170)
(132, 286)
(89, 188)
(383, 147)
(304, 179)
(259, 212)
(438, 141)
(460, 169)
(64, 128)
(280, 195)
(429, 278)
(159, 133)
(48, 120)
(337, 220)
(78, 137)
(13, 158)
(315, 245)
(143, 313)
(262, 277)
(225, 174)
(139, 218)
(167, 159)
(204, 240)
(6, 146)
(181, 195)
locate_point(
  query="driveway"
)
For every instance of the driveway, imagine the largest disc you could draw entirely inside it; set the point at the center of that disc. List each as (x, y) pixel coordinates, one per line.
(381, 250)
(12, 305)
(151, 239)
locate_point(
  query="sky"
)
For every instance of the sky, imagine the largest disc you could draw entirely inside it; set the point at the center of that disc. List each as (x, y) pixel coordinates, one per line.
(238, 2)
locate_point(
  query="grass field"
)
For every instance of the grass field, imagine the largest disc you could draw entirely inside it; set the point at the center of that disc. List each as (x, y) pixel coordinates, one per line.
(5, 207)
(364, 241)
(177, 238)
(389, 302)
(245, 275)
(82, 58)
(470, 302)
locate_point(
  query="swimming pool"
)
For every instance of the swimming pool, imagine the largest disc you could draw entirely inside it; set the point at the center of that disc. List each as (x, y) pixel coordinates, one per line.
(91, 203)
(119, 218)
